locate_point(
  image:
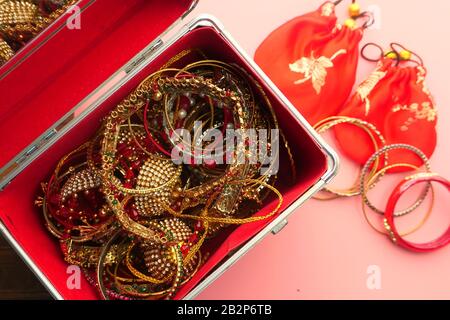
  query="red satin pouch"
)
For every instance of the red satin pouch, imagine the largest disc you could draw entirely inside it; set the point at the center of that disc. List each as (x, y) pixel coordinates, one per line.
(313, 60)
(396, 100)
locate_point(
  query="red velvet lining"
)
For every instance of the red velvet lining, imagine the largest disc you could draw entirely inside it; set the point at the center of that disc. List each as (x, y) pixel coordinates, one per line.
(25, 222)
(73, 63)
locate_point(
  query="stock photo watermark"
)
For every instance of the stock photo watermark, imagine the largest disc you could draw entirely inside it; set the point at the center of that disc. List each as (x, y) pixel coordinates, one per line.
(375, 11)
(74, 277)
(214, 147)
(373, 281)
(73, 22)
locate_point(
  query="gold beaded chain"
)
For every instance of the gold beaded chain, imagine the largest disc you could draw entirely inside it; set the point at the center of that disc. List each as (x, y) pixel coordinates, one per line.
(235, 220)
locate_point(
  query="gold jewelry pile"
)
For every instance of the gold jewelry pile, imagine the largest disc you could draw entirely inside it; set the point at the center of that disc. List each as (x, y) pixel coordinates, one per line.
(140, 223)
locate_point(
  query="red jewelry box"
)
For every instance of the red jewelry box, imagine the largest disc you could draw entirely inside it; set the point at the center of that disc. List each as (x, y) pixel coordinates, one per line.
(56, 90)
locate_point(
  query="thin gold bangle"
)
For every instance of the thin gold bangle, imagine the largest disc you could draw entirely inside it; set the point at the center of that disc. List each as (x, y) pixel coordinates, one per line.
(370, 129)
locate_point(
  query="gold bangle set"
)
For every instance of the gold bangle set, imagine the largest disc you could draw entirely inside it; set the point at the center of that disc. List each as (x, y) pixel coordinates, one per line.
(377, 139)
(372, 172)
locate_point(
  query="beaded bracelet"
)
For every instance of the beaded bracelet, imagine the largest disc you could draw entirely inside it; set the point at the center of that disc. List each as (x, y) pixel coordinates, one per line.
(369, 163)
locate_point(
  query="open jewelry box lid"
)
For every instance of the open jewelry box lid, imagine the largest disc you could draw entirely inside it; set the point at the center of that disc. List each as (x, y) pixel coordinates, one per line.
(58, 69)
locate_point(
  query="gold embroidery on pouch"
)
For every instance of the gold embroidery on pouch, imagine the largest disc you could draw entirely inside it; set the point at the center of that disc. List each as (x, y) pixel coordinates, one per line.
(337, 27)
(314, 69)
(365, 88)
(425, 111)
(421, 80)
(327, 9)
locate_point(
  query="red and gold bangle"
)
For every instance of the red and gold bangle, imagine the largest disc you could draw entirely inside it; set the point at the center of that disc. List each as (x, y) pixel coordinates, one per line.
(422, 221)
(389, 224)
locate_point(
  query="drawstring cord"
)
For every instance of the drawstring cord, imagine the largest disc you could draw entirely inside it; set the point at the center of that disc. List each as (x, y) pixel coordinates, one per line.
(397, 52)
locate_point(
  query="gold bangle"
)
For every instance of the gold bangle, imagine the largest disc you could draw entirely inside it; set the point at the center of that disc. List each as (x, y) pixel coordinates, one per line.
(370, 129)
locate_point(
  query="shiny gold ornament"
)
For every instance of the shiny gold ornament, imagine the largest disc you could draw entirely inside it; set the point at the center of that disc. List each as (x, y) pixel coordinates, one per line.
(39, 202)
(17, 12)
(157, 96)
(6, 52)
(160, 260)
(81, 181)
(21, 20)
(159, 174)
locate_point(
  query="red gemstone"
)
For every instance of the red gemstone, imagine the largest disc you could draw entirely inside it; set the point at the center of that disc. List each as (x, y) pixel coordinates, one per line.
(126, 152)
(55, 198)
(133, 213)
(64, 213)
(136, 164)
(97, 157)
(64, 246)
(210, 163)
(184, 249)
(178, 125)
(72, 203)
(184, 102)
(193, 238)
(129, 174)
(128, 185)
(121, 146)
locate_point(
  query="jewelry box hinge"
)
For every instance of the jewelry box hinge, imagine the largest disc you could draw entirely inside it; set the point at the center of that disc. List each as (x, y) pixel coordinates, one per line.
(279, 227)
(8, 174)
(143, 56)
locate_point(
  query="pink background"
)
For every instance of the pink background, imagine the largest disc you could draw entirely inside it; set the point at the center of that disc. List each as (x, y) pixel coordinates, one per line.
(327, 249)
